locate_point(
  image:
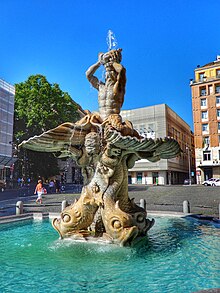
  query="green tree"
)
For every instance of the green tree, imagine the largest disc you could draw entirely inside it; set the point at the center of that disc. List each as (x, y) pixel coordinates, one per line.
(40, 106)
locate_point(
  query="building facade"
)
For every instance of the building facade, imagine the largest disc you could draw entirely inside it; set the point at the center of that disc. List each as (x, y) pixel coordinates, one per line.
(206, 114)
(7, 93)
(161, 121)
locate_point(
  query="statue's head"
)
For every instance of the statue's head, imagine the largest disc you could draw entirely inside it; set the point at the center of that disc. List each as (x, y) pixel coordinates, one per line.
(118, 224)
(92, 143)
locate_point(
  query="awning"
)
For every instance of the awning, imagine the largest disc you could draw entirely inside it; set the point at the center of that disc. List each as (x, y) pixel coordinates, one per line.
(6, 161)
(208, 166)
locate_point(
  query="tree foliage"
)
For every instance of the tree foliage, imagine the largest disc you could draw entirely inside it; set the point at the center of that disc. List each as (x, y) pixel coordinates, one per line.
(40, 106)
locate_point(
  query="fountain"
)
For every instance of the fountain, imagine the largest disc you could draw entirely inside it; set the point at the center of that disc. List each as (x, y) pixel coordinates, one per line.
(105, 147)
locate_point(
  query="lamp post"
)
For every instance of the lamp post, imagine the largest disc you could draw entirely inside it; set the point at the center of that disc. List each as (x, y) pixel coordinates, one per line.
(189, 164)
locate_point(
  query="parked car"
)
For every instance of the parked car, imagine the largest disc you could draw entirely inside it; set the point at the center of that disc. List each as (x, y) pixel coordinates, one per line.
(2, 185)
(209, 182)
(216, 182)
(187, 181)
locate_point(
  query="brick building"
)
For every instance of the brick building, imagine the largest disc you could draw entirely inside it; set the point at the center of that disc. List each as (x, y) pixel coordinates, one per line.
(206, 114)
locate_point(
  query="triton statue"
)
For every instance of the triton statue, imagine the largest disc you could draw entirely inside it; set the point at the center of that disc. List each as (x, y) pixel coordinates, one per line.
(105, 147)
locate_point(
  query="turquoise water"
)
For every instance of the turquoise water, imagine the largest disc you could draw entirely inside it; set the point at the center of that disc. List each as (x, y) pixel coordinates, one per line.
(180, 256)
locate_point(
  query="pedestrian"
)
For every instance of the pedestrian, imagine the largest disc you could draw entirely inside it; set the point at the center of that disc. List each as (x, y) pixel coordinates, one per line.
(22, 182)
(39, 191)
(51, 186)
(57, 185)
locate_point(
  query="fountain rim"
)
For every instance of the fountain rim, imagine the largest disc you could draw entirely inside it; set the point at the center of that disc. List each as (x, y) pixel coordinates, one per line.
(40, 217)
(51, 216)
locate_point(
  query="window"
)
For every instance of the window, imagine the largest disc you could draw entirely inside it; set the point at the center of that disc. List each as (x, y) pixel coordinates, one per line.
(205, 127)
(203, 102)
(151, 127)
(219, 139)
(206, 140)
(207, 156)
(142, 128)
(217, 89)
(210, 89)
(218, 113)
(151, 130)
(204, 114)
(218, 125)
(201, 76)
(218, 100)
(146, 131)
(202, 91)
(217, 72)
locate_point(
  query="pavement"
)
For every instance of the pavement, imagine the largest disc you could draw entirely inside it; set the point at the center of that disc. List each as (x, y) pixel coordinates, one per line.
(203, 200)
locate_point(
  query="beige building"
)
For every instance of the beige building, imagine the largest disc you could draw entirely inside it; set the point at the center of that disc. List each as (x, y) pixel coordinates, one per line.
(206, 114)
(161, 121)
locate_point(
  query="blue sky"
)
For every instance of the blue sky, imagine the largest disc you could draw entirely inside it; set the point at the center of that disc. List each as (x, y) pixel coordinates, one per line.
(162, 42)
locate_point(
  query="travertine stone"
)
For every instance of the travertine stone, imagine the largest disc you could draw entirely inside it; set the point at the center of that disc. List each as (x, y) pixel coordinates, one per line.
(105, 147)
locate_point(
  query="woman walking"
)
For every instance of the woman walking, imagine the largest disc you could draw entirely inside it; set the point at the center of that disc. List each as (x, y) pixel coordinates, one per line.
(39, 191)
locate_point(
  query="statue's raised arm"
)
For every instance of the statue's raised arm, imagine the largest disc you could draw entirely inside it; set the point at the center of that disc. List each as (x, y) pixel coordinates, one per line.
(90, 74)
(112, 91)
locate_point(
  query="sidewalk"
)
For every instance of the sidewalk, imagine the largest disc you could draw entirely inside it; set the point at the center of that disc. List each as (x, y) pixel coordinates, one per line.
(203, 200)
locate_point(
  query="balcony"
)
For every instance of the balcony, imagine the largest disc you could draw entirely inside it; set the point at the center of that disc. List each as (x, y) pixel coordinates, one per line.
(204, 79)
(209, 163)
